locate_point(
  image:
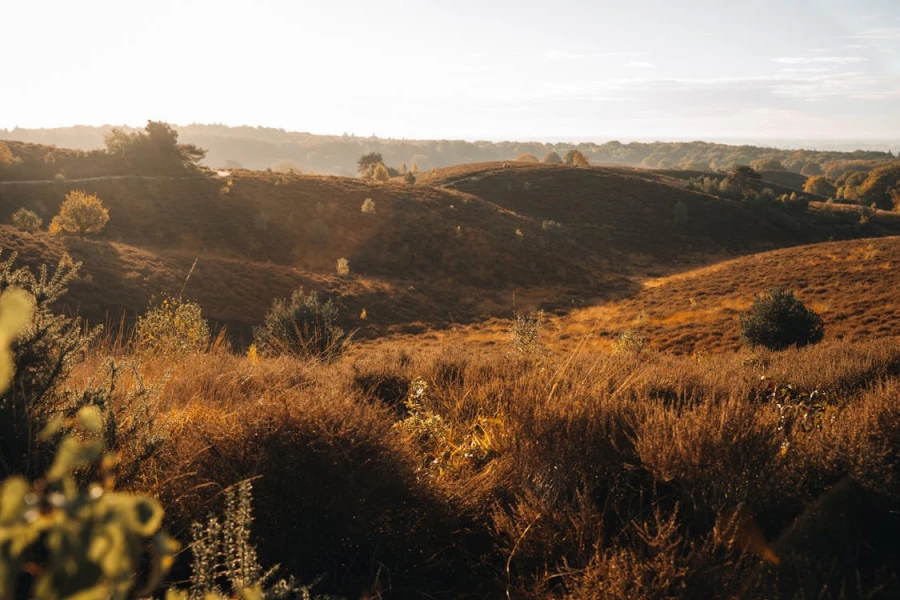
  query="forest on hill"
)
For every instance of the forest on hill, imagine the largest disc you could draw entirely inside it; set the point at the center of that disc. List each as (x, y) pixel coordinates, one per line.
(263, 148)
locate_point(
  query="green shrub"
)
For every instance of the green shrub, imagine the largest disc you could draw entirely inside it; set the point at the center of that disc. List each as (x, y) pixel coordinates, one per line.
(75, 540)
(301, 326)
(778, 320)
(27, 220)
(173, 326)
(43, 355)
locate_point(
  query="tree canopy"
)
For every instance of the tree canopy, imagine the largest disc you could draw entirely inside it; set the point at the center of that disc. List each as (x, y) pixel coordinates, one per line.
(154, 151)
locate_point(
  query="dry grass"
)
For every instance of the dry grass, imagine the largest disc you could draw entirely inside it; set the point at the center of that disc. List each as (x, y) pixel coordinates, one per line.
(448, 473)
(852, 284)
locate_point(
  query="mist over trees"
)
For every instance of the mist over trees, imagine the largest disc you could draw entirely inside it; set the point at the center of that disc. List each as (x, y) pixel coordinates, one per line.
(262, 148)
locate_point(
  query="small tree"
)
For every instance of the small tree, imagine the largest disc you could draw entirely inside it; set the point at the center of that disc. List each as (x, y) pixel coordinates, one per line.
(80, 213)
(820, 186)
(368, 160)
(531, 158)
(27, 220)
(778, 319)
(301, 326)
(381, 173)
(744, 177)
(576, 158)
(552, 158)
(766, 164)
(6, 155)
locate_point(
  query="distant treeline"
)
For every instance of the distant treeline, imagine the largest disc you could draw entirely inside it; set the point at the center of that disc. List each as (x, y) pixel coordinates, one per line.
(262, 148)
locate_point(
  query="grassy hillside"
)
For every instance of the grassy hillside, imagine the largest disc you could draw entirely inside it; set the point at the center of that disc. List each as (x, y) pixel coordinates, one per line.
(852, 284)
(455, 247)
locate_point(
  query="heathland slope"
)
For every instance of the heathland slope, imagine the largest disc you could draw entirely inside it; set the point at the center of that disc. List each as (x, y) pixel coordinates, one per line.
(852, 284)
(454, 247)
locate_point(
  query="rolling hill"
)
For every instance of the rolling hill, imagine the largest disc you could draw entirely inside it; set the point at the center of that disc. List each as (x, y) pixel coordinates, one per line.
(457, 247)
(852, 284)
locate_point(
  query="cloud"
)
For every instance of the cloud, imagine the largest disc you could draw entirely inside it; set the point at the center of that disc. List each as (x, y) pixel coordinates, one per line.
(640, 64)
(830, 60)
(880, 33)
(562, 55)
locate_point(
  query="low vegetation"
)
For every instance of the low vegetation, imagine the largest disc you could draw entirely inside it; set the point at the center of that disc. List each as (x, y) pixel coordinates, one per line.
(27, 220)
(301, 326)
(454, 473)
(566, 457)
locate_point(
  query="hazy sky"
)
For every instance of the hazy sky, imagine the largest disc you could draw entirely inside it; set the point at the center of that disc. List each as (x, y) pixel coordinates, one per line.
(486, 69)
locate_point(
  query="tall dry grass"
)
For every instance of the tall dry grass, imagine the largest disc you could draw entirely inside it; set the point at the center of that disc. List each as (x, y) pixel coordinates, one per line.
(444, 473)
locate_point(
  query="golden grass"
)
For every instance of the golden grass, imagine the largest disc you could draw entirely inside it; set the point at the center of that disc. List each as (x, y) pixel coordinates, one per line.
(581, 474)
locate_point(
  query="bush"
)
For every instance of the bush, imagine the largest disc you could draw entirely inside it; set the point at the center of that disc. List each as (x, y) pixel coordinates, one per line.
(368, 206)
(527, 158)
(552, 158)
(80, 213)
(778, 320)
(301, 326)
(27, 220)
(43, 354)
(820, 186)
(576, 158)
(381, 173)
(173, 326)
(65, 540)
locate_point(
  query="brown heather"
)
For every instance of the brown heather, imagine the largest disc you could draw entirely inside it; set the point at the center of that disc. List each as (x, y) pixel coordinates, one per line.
(580, 475)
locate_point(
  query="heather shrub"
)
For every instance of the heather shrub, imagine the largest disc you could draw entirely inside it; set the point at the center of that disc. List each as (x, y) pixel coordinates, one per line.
(27, 220)
(778, 319)
(301, 326)
(552, 158)
(524, 332)
(173, 326)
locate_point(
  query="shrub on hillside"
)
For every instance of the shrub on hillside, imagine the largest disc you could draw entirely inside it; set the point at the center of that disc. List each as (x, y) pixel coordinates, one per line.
(576, 158)
(80, 213)
(552, 158)
(380, 173)
(173, 326)
(778, 319)
(27, 220)
(301, 326)
(368, 206)
(6, 155)
(821, 186)
(531, 158)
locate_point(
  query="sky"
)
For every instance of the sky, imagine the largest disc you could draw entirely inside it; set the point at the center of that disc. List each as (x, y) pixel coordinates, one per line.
(466, 69)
